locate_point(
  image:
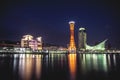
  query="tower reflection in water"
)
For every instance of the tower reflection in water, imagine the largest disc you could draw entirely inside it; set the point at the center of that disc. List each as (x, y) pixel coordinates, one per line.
(90, 62)
(72, 65)
(29, 64)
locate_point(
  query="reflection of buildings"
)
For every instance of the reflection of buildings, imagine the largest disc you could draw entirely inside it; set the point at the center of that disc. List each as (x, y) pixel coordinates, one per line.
(72, 65)
(98, 62)
(28, 64)
(72, 46)
(28, 41)
(25, 66)
(38, 66)
(57, 60)
(82, 45)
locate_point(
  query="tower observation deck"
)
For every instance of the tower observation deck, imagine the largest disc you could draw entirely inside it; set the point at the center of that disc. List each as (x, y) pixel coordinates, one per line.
(72, 46)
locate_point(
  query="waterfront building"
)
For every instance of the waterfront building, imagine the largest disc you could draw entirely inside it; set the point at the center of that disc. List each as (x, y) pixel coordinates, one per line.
(100, 46)
(27, 41)
(33, 45)
(39, 43)
(82, 37)
(72, 46)
(82, 42)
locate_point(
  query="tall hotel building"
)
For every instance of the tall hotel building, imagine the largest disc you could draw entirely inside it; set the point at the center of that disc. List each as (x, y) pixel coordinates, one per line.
(27, 41)
(82, 39)
(72, 46)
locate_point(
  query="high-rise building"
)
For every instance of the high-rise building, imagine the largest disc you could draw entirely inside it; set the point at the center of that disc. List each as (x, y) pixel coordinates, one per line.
(72, 46)
(82, 39)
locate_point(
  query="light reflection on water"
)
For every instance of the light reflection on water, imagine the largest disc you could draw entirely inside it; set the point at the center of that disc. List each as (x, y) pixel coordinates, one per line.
(32, 66)
(29, 64)
(72, 65)
(94, 62)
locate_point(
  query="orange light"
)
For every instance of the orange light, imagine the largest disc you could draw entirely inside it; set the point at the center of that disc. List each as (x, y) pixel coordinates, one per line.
(72, 65)
(72, 46)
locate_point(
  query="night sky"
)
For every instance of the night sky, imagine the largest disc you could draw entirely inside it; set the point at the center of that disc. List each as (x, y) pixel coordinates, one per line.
(49, 19)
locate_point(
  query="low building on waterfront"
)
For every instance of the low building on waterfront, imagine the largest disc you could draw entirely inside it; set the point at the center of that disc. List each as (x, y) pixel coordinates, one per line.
(28, 41)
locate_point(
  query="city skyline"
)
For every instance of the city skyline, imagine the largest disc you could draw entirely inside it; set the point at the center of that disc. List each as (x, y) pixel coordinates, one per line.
(50, 20)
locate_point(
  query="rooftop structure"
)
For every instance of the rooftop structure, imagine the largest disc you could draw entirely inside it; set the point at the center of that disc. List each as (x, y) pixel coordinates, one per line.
(100, 46)
(71, 22)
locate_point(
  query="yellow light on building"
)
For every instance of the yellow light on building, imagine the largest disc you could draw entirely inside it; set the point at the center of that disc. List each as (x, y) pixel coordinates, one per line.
(28, 41)
(25, 40)
(39, 41)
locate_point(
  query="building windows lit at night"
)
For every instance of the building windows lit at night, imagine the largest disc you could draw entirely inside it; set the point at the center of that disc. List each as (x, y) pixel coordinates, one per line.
(27, 41)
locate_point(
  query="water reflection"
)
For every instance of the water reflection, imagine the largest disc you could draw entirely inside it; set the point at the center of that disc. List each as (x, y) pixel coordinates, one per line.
(57, 60)
(72, 65)
(64, 66)
(38, 66)
(97, 62)
(29, 64)
(114, 59)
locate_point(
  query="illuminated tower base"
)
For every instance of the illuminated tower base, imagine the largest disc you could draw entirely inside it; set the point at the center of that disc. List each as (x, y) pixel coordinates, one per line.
(72, 47)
